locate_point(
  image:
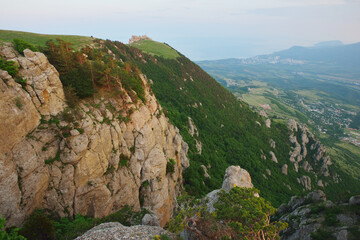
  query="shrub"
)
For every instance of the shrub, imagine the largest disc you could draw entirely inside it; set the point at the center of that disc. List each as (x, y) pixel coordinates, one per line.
(170, 166)
(123, 160)
(248, 216)
(70, 229)
(322, 234)
(21, 81)
(71, 98)
(38, 227)
(80, 80)
(21, 45)
(122, 216)
(11, 234)
(9, 66)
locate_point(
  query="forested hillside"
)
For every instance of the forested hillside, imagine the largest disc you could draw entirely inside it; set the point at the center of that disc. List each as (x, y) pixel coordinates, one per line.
(229, 132)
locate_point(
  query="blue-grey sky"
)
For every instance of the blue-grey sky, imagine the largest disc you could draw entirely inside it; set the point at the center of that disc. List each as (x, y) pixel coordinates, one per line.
(200, 29)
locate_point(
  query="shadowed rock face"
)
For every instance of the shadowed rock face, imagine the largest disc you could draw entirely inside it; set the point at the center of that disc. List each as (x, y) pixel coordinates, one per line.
(307, 215)
(95, 168)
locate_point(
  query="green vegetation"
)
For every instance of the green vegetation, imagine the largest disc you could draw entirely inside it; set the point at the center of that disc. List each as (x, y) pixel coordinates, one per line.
(161, 237)
(21, 45)
(9, 234)
(9, 66)
(228, 130)
(248, 216)
(124, 160)
(322, 234)
(325, 97)
(170, 166)
(38, 227)
(41, 225)
(156, 48)
(239, 214)
(82, 76)
(41, 39)
(21, 81)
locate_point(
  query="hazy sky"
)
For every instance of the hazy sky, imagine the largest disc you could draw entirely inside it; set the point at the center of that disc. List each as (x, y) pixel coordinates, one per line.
(200, 29)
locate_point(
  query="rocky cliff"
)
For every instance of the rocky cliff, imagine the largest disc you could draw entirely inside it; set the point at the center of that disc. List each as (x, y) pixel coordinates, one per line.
(309, 155)
(93, 159)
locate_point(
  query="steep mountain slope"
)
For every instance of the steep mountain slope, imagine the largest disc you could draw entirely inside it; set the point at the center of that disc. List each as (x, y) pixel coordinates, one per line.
(220, 130)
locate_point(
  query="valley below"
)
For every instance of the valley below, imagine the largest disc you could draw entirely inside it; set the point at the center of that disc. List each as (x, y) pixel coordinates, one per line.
(323, 94)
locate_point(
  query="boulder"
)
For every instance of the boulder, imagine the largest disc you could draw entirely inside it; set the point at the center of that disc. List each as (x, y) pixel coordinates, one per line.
(150, 220)
(273, 157)
(316, 196)
(354, 200)
(117, 231)
(236, 176)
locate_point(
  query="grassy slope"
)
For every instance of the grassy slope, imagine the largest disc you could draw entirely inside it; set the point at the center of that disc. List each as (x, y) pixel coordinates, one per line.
(41, 39)
(156, 48)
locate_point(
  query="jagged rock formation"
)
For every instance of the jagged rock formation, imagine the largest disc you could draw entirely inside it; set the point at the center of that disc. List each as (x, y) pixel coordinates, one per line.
(308, 153)
(272, 143)
(116, 231)
(268, 123)
(107, 153)
(195, 133)
(305, 181)
(313, 214)
(273, 157)
(206, 174)
(284, 169)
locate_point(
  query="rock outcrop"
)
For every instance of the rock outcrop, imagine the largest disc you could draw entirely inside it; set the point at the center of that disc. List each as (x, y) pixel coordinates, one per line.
(193, 131)
(116, 231)
(108, 153)
(309, 154)
(314, 216)
(235, 176)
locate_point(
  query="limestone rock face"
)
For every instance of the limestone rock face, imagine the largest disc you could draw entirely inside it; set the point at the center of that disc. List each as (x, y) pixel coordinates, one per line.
(273, 157)
(305, 181)
(236, 176)
(84, 165)
(284, 169)
(309, 154)
(194, 132)
(272, 143)
(268, 123)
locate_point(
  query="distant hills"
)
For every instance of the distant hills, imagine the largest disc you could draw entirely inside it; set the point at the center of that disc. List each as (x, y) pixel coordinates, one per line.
(333, 52)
